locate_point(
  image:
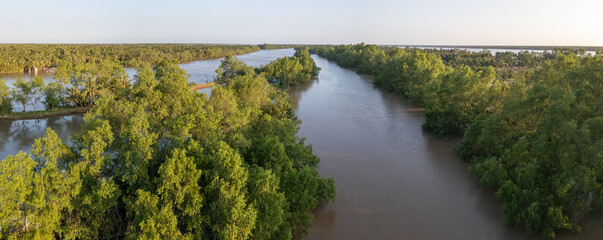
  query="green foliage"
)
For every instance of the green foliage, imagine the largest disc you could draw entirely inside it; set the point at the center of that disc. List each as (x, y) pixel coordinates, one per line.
(157, 161)
(89, 81)
(267, 46)
(409, 74)
(231, 67)
(4, 91)
(541, 149)
(5, 98)
(455, 98)
(22, 92)
(6, 106)
(152, 220)
(22, 57)
(37, 90)
(52, 96)
(230, 216)
(34, 192)
(288, 71)
(15, 190)
(270, 204)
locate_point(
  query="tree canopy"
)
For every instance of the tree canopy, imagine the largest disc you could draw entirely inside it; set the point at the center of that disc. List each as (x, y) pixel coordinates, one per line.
(289, 71)
(157, 161)
(23, 57)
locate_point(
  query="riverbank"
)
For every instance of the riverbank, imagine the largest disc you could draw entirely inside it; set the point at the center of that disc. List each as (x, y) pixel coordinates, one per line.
(202, 86)
(44, 114)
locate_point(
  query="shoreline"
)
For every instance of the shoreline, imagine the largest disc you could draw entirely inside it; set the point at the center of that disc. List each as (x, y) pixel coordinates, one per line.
(202, 86)
(45, 113)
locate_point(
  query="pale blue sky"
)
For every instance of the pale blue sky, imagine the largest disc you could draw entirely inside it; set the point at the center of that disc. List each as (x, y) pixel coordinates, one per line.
(434, 22)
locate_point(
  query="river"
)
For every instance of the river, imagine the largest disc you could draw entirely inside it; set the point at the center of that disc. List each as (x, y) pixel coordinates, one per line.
(393, 180)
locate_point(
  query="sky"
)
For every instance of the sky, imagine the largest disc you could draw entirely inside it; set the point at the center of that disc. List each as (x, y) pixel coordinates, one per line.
(422, 22)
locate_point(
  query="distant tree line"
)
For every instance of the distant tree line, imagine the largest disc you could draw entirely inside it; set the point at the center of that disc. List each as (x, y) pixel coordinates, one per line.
(521, 59)
(532, 123)
(16, 58)
(157, 161)
(266, 46)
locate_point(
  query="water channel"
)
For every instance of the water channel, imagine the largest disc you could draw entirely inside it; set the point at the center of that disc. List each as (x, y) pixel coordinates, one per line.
(393, 180)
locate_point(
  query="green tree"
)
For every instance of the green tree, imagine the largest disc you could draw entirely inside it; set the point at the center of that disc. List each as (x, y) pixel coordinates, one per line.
(5, 99)
(152, 220)
(15, 188)
(52, 187)
(52, 96)
(232, 66)
(453, 100)
(270, 204)
(288, 71)
(155, 160)
(22, 92)
(17, 58)
(37, 90)
(178, 187)
(229, 214)
(540, 148)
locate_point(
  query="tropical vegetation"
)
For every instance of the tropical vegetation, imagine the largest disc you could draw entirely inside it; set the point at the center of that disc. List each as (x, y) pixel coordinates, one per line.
(157, 161)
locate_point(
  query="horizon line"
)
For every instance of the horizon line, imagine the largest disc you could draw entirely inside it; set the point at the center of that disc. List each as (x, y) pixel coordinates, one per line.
(496, 46)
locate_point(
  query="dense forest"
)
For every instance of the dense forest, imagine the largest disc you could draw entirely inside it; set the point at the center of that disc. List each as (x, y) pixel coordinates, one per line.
(267, 46)
(531, 122)
(17, 58)
(282, 72)
(157, 161)
(290, 71)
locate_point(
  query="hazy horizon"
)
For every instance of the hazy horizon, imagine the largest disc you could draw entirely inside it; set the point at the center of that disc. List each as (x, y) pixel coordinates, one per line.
(383, 22)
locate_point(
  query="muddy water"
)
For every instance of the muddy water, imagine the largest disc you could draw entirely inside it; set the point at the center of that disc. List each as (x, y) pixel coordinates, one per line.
(393, 180)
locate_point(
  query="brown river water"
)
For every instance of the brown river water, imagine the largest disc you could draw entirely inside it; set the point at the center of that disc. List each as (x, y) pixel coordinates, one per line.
(393, 180)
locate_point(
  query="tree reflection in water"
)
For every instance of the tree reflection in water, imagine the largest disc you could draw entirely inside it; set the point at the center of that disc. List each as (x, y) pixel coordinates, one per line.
(19, 135)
